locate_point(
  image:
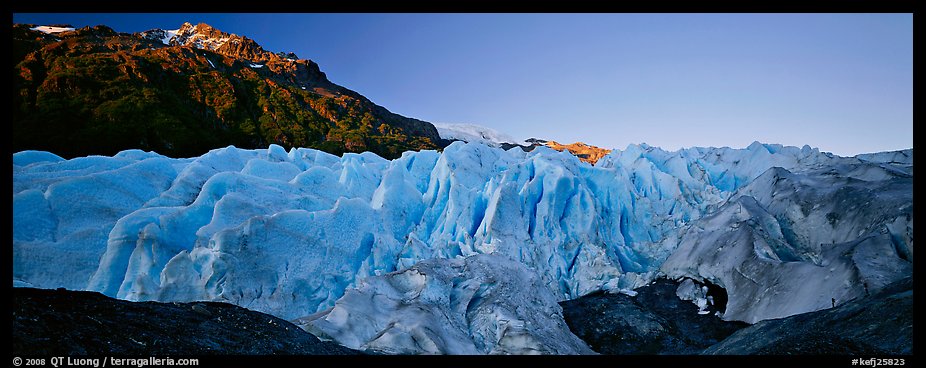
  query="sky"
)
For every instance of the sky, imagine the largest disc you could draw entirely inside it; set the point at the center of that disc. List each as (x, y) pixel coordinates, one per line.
(840, 82)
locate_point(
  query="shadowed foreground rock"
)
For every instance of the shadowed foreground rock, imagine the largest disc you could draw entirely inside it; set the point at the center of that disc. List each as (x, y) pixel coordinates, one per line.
(878, 325)
(655, 321)
(60, 322)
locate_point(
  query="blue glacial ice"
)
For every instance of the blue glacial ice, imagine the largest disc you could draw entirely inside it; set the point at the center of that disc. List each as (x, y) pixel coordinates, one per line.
(291, 233)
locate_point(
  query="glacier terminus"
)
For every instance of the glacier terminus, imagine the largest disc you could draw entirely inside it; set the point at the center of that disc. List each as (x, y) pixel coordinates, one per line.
(468, 250)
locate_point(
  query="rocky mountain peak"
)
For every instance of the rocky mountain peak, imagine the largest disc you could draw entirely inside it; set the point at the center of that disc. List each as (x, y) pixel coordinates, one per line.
(251, 97)
(202, 36)
(206, 37)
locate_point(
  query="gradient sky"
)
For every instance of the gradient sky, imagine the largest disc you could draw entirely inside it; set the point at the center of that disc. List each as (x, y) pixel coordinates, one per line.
(839, 82)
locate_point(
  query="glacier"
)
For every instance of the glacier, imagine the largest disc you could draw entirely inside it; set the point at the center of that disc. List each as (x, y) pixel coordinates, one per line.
(309, 236)
(788, 243)
(481, 304)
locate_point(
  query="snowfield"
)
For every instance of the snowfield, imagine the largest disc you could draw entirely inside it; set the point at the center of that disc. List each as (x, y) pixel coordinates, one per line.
(467, 250)
(475, 133)
(52, 29)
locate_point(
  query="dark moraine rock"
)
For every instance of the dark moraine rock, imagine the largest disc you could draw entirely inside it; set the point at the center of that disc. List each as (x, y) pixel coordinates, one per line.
(655, 321)
(61, 322)
(881, 324)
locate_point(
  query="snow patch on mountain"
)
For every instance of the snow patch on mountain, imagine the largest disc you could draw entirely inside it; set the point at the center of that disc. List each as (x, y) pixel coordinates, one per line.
(188, 34)
(52, 29)
(169, 35)
(475, 133)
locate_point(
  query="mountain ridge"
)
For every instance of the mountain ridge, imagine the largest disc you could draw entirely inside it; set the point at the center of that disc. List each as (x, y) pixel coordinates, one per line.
(183, 91)
(97, 91)
(475, 133)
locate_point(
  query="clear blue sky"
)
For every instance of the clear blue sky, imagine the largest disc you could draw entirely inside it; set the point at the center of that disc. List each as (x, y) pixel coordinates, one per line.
(840, 82)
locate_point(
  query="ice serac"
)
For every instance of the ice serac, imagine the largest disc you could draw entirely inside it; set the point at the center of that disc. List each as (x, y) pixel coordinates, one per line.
(290, 233)
(482, 304)
(63, 211)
